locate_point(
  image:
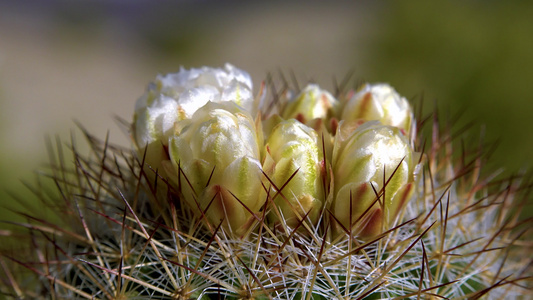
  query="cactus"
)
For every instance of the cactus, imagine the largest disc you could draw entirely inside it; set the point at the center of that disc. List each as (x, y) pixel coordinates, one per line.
(226, 196)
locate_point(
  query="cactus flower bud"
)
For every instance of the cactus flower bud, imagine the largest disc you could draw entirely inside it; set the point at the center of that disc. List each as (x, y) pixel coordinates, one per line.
(174, 97)
(217, 155)
(374, 160)
(292, 147)
(379, 102)
(177, 96)
(312, 103)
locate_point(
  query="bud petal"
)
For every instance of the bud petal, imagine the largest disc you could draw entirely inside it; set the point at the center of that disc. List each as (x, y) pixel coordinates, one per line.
(152, 122)
(379, 102)
(372, 154)
(218, 152)
(237, 189)
(292, 147)
(151, 127)
(312, 103)
(364, 214)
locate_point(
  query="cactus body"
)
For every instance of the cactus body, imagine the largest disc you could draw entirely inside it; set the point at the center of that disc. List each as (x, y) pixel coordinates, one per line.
(232, 207)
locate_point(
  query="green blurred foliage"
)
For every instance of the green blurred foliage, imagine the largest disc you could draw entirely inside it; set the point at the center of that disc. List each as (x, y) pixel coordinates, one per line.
(474, 57)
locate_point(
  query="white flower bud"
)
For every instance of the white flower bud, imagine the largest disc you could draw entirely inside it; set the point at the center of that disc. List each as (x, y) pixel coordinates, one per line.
(379, 102)
(217, 153)
(312, 103)
(174, 97)
(293, 147)
(365, 161)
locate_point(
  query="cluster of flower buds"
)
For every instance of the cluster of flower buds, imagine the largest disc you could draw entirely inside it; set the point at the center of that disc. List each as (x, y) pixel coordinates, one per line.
(201, 129)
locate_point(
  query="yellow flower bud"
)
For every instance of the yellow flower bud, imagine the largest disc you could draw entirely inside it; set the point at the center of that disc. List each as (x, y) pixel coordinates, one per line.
(312, 103)
(379, 102)
(217, 156)
(373, 170)
(293, 151)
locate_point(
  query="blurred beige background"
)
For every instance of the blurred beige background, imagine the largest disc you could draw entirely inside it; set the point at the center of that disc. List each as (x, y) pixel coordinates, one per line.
(61, 61)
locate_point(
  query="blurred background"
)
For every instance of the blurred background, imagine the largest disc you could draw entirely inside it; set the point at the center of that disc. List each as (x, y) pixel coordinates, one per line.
(73, 60)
